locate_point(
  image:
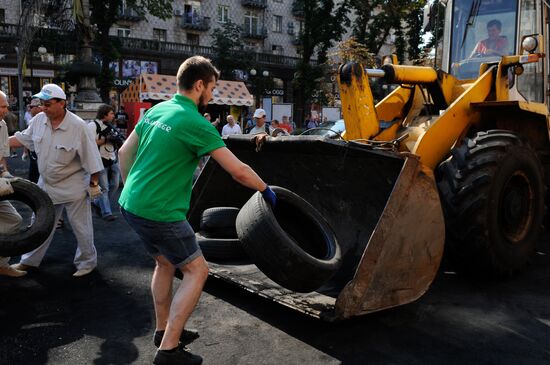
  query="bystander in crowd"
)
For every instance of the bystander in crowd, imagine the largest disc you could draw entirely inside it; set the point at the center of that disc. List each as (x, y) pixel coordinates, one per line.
(110, 175)
(231, 127)
(10, 220)
(69, 165)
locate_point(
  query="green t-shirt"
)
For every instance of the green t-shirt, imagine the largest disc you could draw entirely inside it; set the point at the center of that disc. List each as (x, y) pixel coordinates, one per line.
(172, 137)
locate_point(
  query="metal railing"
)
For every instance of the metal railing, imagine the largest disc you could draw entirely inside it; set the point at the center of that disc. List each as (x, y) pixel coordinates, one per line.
(133, 45)
(256, 33)
(254, 3)
(196, 22)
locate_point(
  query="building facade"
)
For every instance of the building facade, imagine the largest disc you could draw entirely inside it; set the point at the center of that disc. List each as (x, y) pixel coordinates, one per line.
(148, 44)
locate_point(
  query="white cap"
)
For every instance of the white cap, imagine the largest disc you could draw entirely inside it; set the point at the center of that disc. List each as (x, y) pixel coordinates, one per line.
(259, 113)
(51, 91)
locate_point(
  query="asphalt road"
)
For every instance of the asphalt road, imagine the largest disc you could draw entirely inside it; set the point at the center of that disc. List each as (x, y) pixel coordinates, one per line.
(49, 317)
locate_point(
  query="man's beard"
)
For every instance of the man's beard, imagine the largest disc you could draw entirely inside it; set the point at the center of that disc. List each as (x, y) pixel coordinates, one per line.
(203, 104)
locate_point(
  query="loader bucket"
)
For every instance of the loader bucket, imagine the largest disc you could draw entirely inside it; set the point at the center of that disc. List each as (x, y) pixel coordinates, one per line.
(383, 207)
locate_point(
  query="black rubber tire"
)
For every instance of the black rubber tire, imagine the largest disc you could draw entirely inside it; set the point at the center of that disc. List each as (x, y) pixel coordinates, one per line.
(220, 248)
(219, 222)
(492, 191)
(293, 245)
(28, 239)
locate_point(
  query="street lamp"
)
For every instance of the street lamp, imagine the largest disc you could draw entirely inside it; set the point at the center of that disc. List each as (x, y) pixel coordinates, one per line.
(258, 81)
(42, 51)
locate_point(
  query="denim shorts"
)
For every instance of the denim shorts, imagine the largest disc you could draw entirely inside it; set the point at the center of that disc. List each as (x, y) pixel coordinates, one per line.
(174, 240)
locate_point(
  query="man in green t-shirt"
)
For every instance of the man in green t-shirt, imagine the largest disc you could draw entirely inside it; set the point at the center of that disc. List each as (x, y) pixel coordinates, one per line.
(157, 164)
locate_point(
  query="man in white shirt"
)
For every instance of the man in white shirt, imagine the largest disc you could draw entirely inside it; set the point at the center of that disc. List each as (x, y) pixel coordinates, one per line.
(231, 128)
(259, 118)
(69, 164)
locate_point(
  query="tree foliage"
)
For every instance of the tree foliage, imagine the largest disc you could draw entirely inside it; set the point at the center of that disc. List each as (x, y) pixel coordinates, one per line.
(377, 19)
(104, 13)
(34, 15)
(325, 22)
(229, 53)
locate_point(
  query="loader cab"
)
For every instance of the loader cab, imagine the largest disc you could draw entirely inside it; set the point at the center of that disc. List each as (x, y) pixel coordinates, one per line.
(482, 31)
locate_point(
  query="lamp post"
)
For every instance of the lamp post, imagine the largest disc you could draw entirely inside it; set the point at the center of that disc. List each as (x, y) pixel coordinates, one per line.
(41, 51)
(259, 82)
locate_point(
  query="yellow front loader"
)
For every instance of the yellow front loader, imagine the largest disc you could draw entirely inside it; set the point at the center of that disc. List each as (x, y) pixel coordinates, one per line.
(450, 159)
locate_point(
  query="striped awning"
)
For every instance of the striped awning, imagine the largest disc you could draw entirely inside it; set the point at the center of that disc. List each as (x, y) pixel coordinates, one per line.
(162, 87)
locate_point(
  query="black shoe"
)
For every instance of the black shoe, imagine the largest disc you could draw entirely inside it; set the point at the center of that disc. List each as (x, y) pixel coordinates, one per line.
(187, 336)
(178, 357)
(109, 218)
(96, 209)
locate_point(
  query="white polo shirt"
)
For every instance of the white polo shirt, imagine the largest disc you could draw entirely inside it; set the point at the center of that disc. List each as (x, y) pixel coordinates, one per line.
(227, 130)
(67, 156)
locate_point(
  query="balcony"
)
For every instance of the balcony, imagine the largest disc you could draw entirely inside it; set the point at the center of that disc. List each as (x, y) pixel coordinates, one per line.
(296, 40)
(298, 8)
(130, 15)
(256, 4)
(148, 46)
(195, 22)
(254, 33)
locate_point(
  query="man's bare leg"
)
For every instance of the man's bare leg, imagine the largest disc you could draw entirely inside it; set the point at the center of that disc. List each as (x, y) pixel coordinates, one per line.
(195, 274)
(161, 288)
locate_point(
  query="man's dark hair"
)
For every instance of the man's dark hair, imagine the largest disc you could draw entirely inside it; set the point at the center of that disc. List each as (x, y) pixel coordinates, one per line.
(196, 68)
(493, 23)
(103, 110)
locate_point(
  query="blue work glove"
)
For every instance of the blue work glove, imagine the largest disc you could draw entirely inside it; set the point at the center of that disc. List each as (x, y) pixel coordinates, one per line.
(269, 196)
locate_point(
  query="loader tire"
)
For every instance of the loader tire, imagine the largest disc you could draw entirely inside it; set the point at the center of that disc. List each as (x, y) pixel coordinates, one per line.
(220, 248)
(219, 222)
(492, 192)
(293, 244)
(26, 240)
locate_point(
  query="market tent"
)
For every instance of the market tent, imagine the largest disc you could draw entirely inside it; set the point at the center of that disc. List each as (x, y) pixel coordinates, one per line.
(162, 87)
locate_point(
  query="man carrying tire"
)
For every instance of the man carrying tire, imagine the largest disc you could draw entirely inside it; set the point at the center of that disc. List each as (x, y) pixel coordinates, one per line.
(10, 220)
(69, 164)
(157, 164)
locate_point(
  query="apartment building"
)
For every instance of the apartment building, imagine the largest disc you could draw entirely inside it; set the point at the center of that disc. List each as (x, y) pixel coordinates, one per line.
(149, 44)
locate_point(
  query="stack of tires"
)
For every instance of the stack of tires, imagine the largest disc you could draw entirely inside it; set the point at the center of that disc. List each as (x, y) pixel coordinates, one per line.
(292, 244)
(217, 237)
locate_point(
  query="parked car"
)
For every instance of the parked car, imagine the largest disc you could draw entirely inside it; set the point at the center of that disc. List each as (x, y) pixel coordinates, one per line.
(330, 129)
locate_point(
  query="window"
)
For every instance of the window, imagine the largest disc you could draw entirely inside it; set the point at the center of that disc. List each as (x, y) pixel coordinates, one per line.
(250, 22)
(193, 39)
(123, 32)
(223, 13)
(277, 1)
(531, 83)
(159, 34)
(277, 23)
(277, 49)
(2, 15)
(192, 12)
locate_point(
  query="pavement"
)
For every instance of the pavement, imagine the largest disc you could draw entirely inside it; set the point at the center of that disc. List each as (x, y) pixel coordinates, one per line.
(50, 317)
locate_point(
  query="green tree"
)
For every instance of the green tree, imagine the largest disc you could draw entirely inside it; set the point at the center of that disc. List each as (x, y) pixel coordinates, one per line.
(324, 23)
(377, 19)
(229, 53)
(34, 15)
(104, 14)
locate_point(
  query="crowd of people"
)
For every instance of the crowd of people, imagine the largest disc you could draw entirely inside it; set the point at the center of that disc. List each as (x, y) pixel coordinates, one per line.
(80, 164)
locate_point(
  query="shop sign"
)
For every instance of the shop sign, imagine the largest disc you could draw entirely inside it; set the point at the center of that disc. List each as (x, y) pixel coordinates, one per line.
(122, 83)
(274, 92)
(8, 71)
